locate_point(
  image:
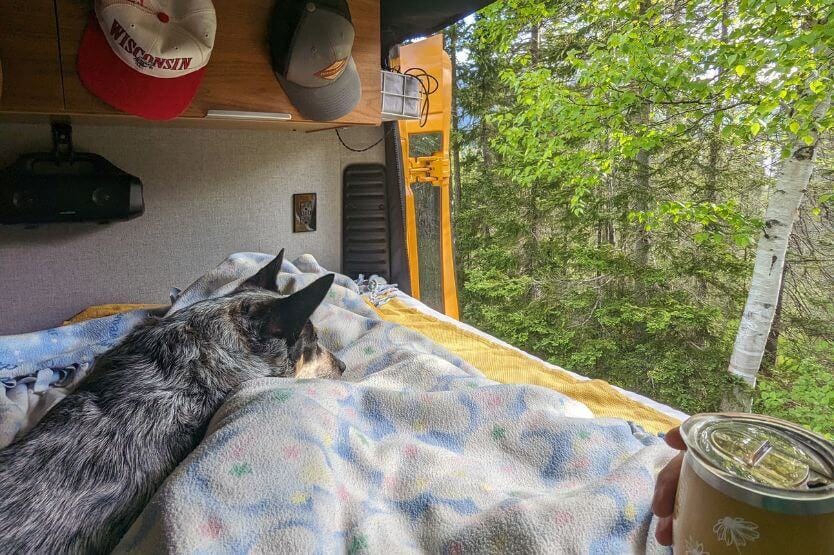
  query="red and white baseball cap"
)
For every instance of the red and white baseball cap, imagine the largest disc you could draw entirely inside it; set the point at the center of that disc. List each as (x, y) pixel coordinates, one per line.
(147, 57)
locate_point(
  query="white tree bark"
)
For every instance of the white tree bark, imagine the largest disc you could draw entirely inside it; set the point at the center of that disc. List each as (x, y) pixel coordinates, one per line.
(763, 294)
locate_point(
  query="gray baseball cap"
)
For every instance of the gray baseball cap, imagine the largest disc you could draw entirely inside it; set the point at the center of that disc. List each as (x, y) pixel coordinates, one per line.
(310, 43)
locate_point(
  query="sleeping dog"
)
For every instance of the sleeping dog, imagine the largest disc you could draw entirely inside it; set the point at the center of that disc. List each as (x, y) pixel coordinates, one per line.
(78, 479)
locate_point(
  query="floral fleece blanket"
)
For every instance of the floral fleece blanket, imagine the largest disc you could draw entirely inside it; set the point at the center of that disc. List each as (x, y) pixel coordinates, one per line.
(413, 451)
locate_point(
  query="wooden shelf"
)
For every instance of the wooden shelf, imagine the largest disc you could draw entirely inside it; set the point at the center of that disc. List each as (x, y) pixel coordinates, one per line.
(29, 53)
(239, 76)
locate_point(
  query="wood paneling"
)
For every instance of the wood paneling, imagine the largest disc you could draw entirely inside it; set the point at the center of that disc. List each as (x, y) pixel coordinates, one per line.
(72, 19)
(239, 75)
(29, 53)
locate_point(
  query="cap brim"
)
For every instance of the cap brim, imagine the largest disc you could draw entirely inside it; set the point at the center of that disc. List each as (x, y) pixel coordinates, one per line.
(112, 80)
(329, 102)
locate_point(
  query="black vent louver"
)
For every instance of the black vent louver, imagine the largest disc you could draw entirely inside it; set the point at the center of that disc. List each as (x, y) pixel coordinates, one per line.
(366, 247)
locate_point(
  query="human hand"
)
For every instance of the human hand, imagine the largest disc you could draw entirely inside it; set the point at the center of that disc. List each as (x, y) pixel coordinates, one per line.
(666, 487)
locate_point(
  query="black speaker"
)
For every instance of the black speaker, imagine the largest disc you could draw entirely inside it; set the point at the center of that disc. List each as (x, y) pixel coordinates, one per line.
(67, 186)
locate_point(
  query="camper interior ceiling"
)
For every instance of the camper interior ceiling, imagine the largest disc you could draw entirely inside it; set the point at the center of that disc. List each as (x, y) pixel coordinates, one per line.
(248, 306)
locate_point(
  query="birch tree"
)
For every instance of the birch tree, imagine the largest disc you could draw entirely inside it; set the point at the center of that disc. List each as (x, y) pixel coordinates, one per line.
(780, 215)
(785, 47)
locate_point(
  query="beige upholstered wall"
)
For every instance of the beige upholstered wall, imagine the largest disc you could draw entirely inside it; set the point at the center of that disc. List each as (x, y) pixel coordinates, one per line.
(208, 193)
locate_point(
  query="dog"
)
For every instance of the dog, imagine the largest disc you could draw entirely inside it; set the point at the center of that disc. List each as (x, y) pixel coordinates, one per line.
(77, 480)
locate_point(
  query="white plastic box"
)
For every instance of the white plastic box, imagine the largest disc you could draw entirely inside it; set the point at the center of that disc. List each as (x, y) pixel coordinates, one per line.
(400, 96)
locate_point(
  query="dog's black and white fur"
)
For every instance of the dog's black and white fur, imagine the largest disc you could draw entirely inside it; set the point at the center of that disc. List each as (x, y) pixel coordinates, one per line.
(78, 479)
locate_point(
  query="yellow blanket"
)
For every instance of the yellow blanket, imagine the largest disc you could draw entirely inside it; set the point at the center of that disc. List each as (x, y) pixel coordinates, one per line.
(496, 361)
(102, 310)
(506, 365)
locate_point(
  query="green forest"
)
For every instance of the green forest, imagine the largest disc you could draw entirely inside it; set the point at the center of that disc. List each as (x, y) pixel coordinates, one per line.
(619, 167)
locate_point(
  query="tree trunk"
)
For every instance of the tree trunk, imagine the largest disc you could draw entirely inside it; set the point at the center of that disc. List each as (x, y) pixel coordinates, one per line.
(772, 346)
(535, 43)
(486, 151)
(455, 139)
(714, 159)
(763, 295)
(714, 151)
(605, 226)
(529, 262)
(642, 193)
(612, 186)
(642, 245)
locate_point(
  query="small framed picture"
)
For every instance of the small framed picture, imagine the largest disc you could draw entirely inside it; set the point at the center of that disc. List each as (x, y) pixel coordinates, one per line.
(304, 212)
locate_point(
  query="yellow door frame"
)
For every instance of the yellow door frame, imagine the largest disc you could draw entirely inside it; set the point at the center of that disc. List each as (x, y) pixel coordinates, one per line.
(429, 55)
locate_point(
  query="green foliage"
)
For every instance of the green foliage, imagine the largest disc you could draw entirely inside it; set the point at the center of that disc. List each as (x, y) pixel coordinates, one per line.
(801, 385)
(617, 157)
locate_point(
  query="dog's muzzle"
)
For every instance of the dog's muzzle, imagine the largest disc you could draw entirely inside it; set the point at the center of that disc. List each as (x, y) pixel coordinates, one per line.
(322, 365)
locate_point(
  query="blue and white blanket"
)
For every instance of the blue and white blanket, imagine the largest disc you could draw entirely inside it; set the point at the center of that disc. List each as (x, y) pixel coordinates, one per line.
(413, 451)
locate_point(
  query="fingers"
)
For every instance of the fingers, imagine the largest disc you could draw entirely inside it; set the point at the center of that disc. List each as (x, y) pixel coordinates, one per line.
(663, 502)
(674, 440)
(663, 532)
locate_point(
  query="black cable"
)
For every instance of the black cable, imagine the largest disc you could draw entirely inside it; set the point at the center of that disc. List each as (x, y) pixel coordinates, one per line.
(428, 85)
(350, 148)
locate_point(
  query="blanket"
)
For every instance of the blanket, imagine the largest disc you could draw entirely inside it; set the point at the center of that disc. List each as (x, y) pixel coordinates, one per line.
(413, 451)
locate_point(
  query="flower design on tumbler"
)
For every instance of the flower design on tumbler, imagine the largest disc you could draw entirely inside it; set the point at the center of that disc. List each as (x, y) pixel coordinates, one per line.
(736, 531)
(694, 547)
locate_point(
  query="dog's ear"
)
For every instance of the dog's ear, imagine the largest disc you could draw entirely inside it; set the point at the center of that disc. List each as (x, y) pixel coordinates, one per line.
(292, 313)
(266, 276)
